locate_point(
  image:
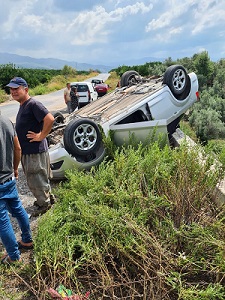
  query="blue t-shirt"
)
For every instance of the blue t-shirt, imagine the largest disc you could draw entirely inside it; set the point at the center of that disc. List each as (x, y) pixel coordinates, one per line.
(30, 118)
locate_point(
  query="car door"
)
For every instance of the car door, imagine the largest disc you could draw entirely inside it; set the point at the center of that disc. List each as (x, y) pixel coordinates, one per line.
(94, 94)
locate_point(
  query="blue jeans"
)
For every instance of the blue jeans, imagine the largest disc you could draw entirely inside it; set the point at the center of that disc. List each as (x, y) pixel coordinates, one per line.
(10, 202)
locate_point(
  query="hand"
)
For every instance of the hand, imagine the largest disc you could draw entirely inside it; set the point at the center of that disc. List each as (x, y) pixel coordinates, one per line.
(34, 137)
(16, 173)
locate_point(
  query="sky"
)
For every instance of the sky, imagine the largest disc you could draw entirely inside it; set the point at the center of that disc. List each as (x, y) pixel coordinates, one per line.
(112, 31)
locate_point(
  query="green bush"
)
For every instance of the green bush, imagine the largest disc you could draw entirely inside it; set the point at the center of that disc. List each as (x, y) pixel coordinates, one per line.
(3, 96)
(141, 225)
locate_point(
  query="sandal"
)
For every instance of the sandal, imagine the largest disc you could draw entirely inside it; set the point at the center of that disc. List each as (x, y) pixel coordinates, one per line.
(6, 260)
(25, 246)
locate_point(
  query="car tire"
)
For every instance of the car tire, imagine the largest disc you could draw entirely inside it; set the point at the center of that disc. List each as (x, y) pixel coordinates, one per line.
(177, 79)
(59, 118)
(82, 137)
(129, 78)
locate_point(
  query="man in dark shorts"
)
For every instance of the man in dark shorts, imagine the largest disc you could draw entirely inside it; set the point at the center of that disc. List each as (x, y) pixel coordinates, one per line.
(33, 123)
(10, 154)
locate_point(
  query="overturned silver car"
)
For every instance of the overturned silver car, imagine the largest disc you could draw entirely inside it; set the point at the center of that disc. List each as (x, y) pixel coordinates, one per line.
(138, 108)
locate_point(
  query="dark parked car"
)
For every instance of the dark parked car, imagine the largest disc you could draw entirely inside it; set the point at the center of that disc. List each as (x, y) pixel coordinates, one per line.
(96, 81)
(101, 89)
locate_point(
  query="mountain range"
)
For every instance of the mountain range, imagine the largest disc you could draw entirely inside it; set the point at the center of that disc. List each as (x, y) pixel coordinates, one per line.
(57, 64)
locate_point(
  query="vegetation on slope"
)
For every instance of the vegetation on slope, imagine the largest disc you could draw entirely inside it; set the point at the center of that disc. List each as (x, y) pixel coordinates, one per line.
(143, 225)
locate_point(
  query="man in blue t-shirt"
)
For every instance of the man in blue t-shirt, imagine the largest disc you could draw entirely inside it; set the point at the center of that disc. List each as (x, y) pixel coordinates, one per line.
(33, 123)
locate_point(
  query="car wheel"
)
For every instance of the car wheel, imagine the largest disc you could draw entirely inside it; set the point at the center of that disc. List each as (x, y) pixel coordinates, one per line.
(82, 137)
(129, 78)
(59, 118)
(176, 78)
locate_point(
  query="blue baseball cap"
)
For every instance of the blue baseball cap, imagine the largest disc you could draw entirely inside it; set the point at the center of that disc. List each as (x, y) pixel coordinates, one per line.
(16, 82)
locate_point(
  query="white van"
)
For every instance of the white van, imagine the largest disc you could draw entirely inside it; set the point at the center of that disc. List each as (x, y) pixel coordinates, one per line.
(86, 92)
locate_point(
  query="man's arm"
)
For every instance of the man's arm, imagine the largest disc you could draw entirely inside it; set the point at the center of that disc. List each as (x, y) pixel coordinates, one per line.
(65, 96)
(47, 126)
(17, 155)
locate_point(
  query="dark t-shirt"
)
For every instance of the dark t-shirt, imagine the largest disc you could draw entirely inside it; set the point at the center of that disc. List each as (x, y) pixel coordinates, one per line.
(7, 133)
(30, 118)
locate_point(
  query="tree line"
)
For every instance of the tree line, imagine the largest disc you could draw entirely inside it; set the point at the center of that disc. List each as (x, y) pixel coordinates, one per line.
(34, 77)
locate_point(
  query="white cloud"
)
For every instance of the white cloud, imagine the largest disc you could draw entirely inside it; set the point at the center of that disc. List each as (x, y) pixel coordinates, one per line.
(199, 14)
(174, 11)
(106, 30)
(209, 14)
(88, 29)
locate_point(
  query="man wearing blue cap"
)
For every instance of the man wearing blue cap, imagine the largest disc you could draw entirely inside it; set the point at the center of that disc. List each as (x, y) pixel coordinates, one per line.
(33, 123)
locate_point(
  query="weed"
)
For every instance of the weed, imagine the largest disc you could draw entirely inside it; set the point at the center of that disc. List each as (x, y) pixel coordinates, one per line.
(140, 226)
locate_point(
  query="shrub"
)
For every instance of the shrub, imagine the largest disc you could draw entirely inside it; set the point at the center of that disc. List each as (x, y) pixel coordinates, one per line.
(3, 96)
(141, 226)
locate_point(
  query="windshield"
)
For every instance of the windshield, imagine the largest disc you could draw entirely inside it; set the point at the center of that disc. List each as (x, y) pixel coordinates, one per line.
(82, 88)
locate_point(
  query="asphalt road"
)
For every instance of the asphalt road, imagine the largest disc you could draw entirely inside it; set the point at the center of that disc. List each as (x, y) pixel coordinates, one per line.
(53, 101)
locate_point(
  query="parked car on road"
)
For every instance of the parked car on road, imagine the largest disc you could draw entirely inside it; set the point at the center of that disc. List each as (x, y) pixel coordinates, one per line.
(95, 81)
(101, 89)
(141, 108)
(86, 92)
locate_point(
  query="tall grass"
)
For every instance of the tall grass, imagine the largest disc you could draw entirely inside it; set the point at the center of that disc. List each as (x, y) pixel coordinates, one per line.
(142, 226)
(58, 83)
